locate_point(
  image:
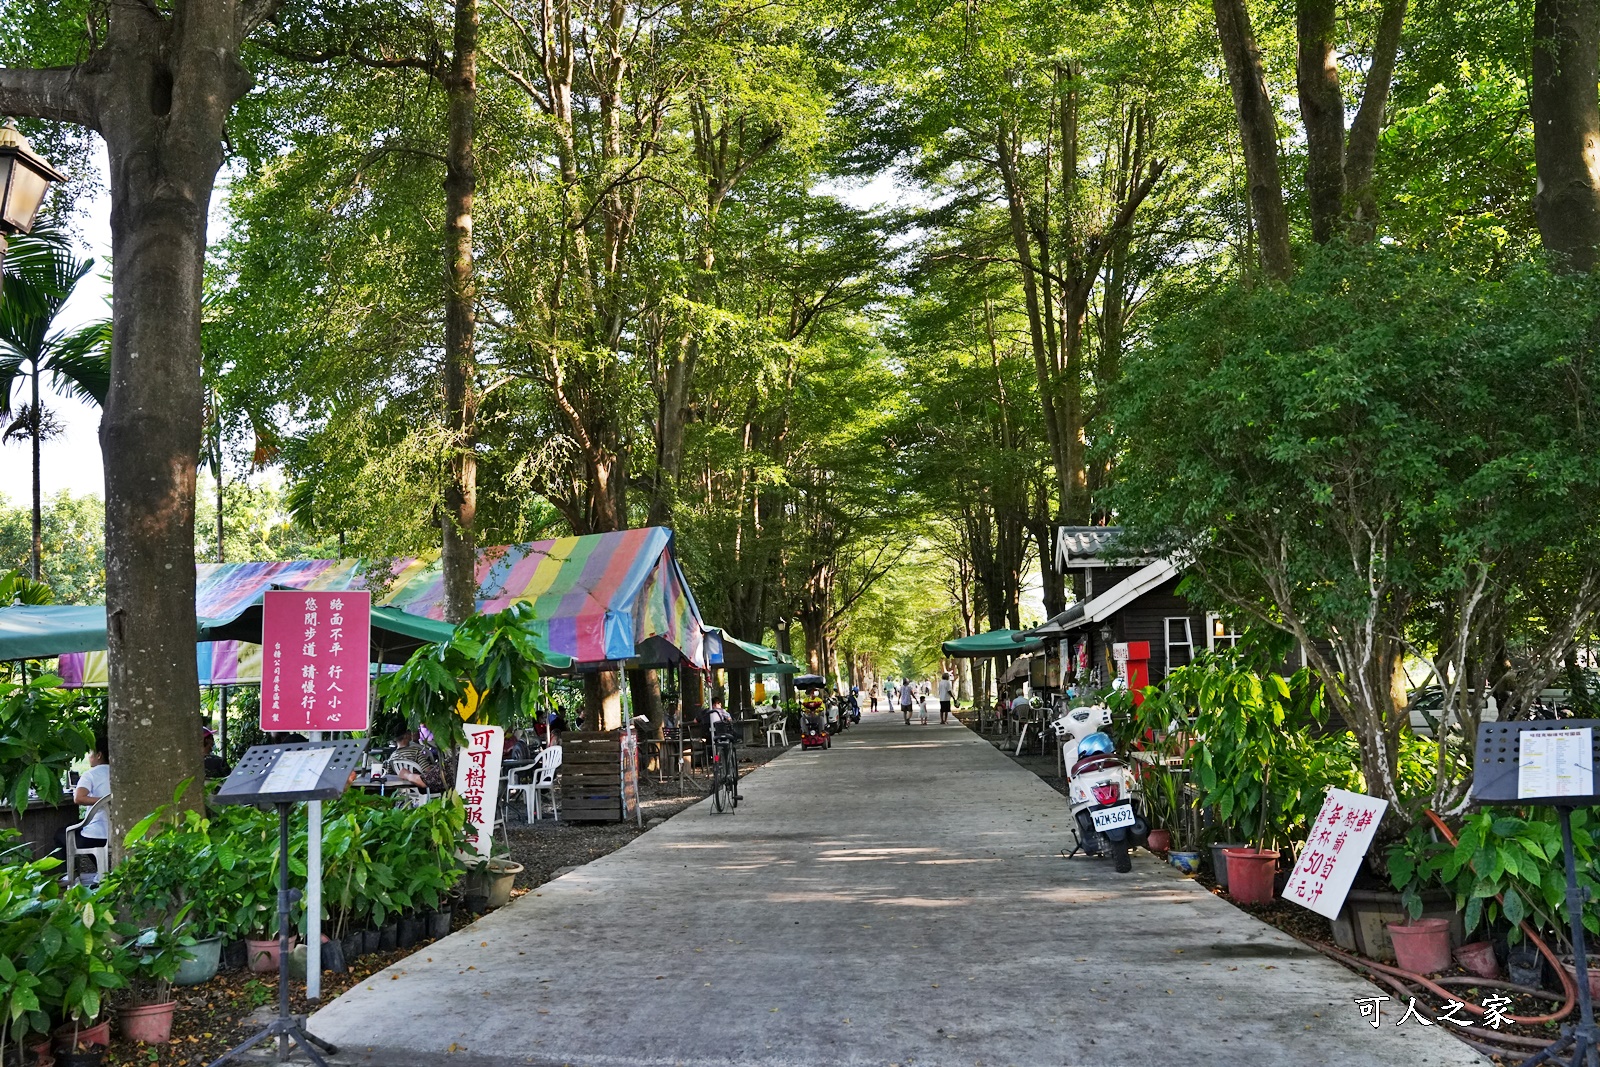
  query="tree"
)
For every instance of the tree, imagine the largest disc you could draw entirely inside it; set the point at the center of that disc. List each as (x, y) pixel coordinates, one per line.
(45, 275)
(1566, 127)
(1386, 456)
(158, 85)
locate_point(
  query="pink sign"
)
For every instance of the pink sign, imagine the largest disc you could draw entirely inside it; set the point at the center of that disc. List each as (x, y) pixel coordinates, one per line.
(314, 650)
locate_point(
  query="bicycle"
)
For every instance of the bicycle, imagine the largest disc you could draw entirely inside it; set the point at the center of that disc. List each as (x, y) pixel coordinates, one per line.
(724, 770)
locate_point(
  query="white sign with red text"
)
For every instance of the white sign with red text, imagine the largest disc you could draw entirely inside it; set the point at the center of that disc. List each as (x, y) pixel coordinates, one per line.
(1334, 850)
(478, 782)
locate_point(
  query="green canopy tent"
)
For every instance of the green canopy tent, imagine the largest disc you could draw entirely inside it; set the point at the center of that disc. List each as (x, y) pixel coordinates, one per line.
(758, 659)
(993, 643)
(39, 631)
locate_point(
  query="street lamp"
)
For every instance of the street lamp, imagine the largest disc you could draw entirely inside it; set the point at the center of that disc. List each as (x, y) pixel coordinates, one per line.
(25, 177)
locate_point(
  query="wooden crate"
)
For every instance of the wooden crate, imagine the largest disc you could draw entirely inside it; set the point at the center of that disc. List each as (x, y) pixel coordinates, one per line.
(591, 776)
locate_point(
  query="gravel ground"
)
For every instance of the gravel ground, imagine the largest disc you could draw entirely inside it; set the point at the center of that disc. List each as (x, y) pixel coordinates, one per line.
(548, 847)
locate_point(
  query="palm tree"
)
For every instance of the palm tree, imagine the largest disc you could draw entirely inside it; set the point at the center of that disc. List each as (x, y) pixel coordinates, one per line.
(41, 273)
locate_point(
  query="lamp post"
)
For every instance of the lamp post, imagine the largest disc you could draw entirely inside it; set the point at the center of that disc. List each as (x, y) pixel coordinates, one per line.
(25, 177)
(785, 681)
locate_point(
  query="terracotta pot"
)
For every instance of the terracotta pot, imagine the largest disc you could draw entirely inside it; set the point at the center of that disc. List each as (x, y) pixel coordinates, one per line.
(43, 1056)
(96, 1036)
(1250, 874)
(1571, 968)
(150, 1023)
(1422, 947)
(1159, 840)
(263, 955)
(1478, 958)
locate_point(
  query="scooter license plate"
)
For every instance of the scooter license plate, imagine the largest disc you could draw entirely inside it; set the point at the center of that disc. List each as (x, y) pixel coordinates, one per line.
(1112, 818)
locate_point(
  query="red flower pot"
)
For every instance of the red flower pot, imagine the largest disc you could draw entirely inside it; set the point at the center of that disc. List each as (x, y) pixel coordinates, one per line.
(96, 1036)
(1160, 840)
(150, 1023)
(1478, 958)
(262, 956)
(1250, 873)
(1422, 947)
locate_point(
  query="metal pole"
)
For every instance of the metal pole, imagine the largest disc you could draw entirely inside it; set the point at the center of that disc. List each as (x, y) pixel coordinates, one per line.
(314, 894)
(283, 926)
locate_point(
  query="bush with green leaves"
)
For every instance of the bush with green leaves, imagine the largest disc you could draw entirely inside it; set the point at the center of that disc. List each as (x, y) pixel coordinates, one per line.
(40, 737)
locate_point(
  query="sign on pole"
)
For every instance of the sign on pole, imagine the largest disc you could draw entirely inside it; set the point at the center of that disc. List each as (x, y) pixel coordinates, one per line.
(1334, 849)
(314, 648)
(478, 782)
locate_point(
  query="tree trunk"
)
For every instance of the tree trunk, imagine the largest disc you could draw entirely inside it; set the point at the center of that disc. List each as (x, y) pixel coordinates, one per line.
(1258, 130)
(1361, 151)
(460, 554)
(1322, 111)
(602, 700)
(1566, 128)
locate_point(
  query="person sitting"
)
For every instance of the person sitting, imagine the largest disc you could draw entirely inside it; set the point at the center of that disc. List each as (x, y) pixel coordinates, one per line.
(216, 766)
(93, 784)
(430, 777)
(813, 713)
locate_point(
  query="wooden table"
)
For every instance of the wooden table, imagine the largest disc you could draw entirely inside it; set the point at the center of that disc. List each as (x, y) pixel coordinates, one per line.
(40, 821)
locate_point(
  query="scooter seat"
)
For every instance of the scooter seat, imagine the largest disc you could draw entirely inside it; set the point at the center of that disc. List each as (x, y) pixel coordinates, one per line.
(1095, 763)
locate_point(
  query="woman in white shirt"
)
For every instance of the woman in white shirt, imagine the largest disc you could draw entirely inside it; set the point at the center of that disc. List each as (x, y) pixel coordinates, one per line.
(93, 784)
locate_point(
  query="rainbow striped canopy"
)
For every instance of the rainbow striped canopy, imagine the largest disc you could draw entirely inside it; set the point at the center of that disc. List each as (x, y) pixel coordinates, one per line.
(602, 598)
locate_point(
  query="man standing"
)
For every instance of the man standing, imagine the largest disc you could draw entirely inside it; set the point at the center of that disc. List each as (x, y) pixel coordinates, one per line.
(946, 698)
(905, 699)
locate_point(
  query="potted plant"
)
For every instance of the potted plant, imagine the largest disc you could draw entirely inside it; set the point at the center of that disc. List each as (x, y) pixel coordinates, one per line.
(29, 893)
(78, 958)
(149, 967)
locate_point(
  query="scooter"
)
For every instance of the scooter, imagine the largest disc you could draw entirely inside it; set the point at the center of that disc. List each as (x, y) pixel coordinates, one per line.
(1108, 809)
(814, 726)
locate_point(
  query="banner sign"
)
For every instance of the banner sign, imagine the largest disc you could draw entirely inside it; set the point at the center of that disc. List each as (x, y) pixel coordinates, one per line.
(315, 647)
(478, 782)
(1334, 850)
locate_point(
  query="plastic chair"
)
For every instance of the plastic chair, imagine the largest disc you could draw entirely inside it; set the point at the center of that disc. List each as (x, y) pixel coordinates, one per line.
(101, 853)
(515, 783)
(777, 725)
(414, 795)
(544, 783)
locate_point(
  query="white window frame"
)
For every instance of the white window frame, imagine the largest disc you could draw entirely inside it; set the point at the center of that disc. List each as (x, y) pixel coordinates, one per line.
(1188, 632)
(1229, 638)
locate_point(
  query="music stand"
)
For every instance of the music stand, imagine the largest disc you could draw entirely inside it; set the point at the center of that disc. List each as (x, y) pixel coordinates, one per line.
(281, 775)
(1497, 779)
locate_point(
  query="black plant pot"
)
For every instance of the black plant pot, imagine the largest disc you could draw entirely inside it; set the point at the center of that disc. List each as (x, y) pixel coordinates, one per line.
(333, 956)
(1526, 966)
(439, 923)
(475, 903)
(388, 938)
(369, 941)
(234, 956)
(410, 931)
(81, 1058)
(353, 945)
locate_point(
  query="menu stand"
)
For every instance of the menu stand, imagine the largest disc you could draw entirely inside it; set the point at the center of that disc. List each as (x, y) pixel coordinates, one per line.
(1497, 777)
(282, 775)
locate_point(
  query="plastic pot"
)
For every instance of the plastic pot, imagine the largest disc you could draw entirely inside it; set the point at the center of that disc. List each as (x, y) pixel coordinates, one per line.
(1219, 859)
(388, 937)
(502, 875)
(1571, 968)
(201, 966)
(352, 945)
(1525, 966)
(475, 903)
(439, 923)
(234, 956)
(1250, 874)
(1478, 958)
(90, 1038)
(1186, 860)
(1159, 840)
(150, 1023)
(369, 941)
(263, 955)
(1421, 947)
(81, 1058)
(409, 932)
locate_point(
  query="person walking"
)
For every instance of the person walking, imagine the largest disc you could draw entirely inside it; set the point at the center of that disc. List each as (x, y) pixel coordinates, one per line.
(905, 699)
(922, 701)
(946, 698)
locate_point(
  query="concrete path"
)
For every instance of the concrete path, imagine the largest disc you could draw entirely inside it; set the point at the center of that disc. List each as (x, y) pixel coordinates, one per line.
(898, 900)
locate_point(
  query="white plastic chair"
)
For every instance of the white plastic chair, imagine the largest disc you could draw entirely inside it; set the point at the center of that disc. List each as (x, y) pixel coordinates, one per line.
(777, 725)
(101, 853)
(414, 795)
(544, 783)
(522, 780)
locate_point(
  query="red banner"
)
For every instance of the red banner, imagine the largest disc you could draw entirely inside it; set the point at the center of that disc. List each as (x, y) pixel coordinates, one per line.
(314, 660)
